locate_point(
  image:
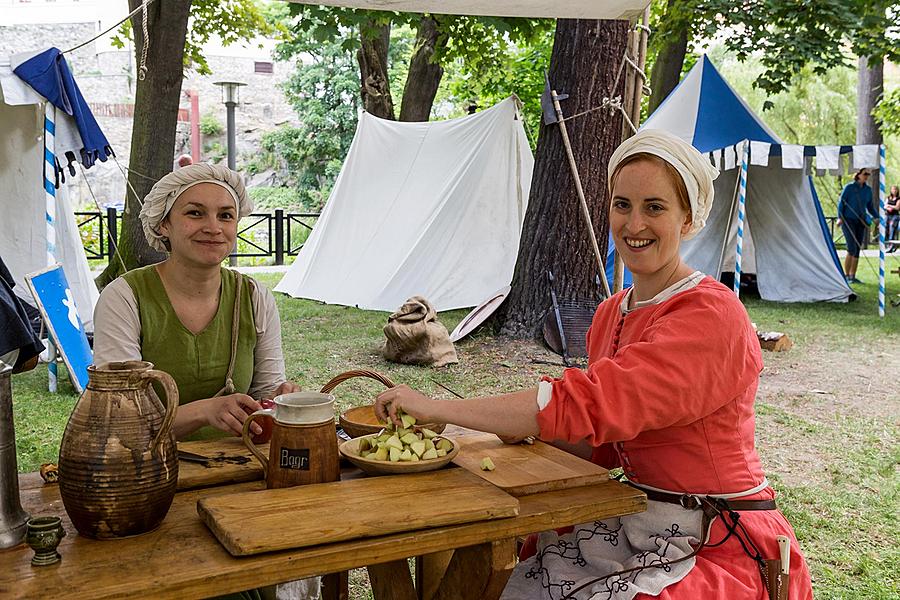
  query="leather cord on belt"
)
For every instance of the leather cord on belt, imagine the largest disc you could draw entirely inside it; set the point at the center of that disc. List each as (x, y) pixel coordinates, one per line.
(228, 389)
(712, 508)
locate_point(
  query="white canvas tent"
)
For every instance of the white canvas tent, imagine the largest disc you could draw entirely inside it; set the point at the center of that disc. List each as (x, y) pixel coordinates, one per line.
(434, 209)
(23, 224)
(786, 241)
(570, 9)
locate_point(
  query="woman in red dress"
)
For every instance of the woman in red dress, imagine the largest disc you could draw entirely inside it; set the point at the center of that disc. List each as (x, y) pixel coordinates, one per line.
(668, 396)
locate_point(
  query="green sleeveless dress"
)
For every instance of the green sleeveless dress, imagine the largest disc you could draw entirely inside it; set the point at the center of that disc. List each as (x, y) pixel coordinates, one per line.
(197, 362)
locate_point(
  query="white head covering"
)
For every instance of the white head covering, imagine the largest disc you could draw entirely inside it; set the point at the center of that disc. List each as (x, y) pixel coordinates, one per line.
(695, 169)
(158, 202)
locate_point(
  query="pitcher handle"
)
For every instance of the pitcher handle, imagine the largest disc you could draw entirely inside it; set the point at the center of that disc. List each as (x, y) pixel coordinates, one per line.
(245, 435)
(171, 389)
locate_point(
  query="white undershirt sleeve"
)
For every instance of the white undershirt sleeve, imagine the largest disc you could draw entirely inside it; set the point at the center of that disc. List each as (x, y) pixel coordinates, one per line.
(117, 324)
(268, 358)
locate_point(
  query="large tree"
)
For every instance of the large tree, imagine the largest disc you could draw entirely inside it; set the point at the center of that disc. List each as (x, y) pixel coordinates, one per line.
(170, 49)
(439, 39)
(584, 63)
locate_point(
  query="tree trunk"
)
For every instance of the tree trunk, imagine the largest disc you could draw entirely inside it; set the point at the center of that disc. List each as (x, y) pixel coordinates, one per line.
(585, 60)
(869, 90)
(669, 61)
(156, 102)
(424, 75)
(375, 87)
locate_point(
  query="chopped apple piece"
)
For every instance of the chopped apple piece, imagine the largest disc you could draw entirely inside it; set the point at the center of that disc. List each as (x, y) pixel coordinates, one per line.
(409, 438)
(427, 433)
(364, 444)
(430, 454)
(429, 445)
(444, 444)
(487, 464)
(407, 420)
(414, 458)
(380, 454)
(441, 452)
(403, 431)
(418, 447)
(406, 455)
(394, 442)
(395, 454)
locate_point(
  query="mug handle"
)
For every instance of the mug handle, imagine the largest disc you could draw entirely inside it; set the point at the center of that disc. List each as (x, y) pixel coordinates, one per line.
(245, 435)
(171, 389)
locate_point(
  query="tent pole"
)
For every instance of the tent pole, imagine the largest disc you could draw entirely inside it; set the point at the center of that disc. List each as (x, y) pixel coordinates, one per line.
(882, 222)
(584, 207)
(50, 209)
(635, 84)
(742, 196)
(734, 199)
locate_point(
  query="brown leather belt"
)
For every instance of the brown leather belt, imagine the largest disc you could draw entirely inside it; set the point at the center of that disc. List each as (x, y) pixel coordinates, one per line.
(695, 501)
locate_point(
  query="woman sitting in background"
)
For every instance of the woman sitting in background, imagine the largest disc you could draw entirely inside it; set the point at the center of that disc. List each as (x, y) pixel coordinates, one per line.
(215, 331)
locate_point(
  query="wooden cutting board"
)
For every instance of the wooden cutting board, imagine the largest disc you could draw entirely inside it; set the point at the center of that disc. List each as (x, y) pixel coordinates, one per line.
(268, 520)
(522, 469)
(230, 462)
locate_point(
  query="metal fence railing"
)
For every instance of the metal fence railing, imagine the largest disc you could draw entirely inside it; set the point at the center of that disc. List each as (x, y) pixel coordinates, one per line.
(273, 234)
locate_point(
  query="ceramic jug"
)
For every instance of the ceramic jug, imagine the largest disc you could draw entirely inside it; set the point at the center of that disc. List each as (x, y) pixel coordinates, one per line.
(303, 448)
(118, 462)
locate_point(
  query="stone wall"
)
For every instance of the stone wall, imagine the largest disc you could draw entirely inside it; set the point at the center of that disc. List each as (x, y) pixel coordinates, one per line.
(109, 78)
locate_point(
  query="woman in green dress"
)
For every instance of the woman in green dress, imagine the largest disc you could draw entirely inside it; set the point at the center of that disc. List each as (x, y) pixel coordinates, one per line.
(215, 331)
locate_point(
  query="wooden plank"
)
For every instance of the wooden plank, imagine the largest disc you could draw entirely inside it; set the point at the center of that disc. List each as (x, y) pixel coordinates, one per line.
(231, 462)
(478, 572)
(143, 566)
(430, 569)
(331, 512)
(522, 469)
(392, 581)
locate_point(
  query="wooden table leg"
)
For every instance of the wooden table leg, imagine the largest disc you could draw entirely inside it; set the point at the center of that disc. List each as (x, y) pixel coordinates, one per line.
(392, 581)
(430, 569)
(478, 572)
(336, 586)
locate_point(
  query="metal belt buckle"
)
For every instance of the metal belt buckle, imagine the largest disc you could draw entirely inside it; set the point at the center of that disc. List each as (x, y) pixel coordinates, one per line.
(689, 501)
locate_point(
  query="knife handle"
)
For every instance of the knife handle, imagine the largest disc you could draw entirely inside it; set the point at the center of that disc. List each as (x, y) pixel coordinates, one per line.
(784, 546)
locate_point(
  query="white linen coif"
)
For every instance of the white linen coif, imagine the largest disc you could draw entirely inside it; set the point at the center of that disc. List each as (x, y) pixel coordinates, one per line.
(158, 202)
(694, 168)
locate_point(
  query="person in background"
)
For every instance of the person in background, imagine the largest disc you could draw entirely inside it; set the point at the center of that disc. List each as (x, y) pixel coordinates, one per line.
(183, 161)
(892, 212)
(854, 209)
(668, 396)
(215, 331)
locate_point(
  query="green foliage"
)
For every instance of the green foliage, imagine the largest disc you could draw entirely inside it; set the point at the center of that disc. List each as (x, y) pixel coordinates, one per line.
(267, 199)
(230, 20)
(787, 36)
(516, 69)
(210, 125)
(887, 113)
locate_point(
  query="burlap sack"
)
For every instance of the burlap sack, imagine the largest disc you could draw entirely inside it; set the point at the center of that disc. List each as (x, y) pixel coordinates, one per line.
(415, 337)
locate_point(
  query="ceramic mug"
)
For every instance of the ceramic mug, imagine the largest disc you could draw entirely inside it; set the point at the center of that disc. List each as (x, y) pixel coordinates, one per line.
(43, 534)
(303, 448)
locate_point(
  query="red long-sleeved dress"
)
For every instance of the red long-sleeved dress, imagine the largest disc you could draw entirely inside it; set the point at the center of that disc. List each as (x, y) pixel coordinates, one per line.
(668, 395)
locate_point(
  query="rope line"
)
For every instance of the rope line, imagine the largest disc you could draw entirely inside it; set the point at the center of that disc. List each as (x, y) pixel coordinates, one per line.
(112, 241)
(143, 6)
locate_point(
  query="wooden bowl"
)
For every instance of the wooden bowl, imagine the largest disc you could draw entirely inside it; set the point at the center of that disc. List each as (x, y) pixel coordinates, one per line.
(350, 451)
(361, 420)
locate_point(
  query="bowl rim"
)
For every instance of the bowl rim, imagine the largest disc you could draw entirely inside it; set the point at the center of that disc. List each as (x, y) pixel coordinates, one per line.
(356, 457)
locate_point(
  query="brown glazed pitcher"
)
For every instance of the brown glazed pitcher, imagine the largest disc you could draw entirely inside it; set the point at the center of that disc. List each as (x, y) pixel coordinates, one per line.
(118, 462)
(304, 441)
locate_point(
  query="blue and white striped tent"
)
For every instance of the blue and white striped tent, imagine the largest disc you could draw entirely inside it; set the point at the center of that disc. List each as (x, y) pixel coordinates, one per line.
(785, 241)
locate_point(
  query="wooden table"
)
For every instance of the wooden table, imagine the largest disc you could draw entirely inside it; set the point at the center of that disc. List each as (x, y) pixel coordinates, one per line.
(182, 559)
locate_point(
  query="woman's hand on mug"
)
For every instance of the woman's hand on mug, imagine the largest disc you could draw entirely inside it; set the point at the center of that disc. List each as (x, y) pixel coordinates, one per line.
(228, 413)
(403, 397)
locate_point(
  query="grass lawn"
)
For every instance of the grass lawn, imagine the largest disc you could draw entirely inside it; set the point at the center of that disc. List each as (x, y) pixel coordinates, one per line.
(828, 414)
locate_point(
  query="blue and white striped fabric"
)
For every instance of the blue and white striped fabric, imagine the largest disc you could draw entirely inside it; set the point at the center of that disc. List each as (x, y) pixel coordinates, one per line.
(784, 240)
(742, 198)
